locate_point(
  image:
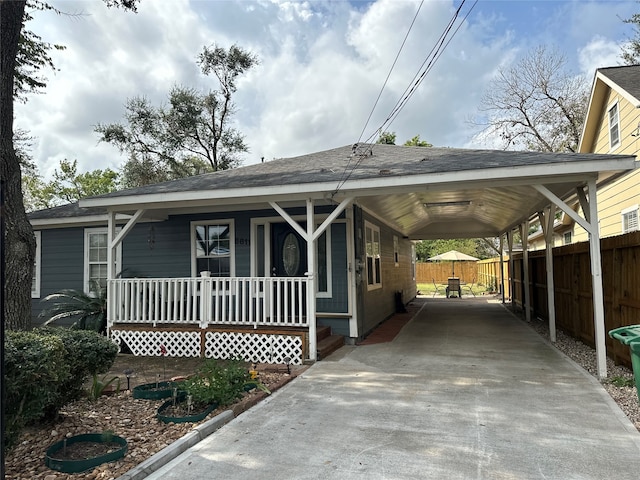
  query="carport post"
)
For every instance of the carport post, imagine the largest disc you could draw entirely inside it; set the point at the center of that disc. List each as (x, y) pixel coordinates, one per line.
(524, 234)
(546, 221)
(511, 263)
(502, 267)
(596, 279)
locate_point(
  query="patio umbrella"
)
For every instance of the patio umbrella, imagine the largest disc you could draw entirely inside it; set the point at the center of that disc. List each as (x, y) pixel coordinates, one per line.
(453, 256)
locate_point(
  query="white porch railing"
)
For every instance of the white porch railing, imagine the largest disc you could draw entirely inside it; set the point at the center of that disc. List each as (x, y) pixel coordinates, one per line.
(249, 301)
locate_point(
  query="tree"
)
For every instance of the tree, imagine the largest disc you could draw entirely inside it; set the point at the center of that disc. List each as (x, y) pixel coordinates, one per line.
(33, 55)
(416, 142)
(67, 186)
(19, 241)
(631, 50)
(387, 138)
(537, 104)
(192, 134)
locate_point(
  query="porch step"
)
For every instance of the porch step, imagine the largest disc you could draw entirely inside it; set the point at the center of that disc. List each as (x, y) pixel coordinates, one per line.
(327, 343)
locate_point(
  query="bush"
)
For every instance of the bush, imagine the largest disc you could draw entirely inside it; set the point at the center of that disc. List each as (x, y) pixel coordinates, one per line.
(34, 368)
(47, 368)
(217, 381)
(87, 354)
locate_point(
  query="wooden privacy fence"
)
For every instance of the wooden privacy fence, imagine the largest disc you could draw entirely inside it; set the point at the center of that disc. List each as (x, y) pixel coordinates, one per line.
(573, 288)
(427, 272)
(482, 272)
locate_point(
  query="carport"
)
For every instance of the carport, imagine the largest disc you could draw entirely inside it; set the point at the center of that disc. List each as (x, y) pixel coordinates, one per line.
(451, 193)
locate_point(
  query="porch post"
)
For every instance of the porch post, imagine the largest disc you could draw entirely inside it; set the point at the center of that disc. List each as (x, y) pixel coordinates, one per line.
(524, 234)
(111, 250)
(311, 286)
(546, 220)
(596, 278)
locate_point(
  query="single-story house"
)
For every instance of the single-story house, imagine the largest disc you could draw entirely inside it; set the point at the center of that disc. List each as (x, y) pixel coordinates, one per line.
(249, 262)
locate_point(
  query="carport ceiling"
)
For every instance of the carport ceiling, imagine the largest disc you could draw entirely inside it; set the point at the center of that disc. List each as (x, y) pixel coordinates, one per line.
(424, 193)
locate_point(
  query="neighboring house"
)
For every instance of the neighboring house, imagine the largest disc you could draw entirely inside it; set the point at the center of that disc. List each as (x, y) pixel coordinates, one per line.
(612, 125)
(219, 264)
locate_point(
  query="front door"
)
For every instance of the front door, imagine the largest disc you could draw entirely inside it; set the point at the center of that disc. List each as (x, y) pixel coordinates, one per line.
(288, 252)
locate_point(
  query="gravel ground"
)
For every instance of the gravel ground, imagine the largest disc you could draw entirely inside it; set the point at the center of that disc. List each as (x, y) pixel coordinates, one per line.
(133, 419)
(619, 384)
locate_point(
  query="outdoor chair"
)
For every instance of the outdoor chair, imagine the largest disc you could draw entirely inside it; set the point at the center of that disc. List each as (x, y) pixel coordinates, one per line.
(438, 288)
(469, 286)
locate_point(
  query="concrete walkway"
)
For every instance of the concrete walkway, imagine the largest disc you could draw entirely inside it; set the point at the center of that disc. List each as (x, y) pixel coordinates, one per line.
(465, 391)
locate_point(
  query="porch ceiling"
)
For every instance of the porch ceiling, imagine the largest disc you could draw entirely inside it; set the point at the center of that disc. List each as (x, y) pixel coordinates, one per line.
(424, 193)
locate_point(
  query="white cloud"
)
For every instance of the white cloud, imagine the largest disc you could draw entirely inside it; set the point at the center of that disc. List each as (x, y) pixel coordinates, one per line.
(322, 67)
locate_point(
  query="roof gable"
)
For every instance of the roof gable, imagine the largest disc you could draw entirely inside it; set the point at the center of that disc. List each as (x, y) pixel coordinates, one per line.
(625, 81)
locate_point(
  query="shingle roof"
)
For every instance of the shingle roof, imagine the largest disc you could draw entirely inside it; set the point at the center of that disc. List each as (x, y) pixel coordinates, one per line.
(71, 210)
(626, 77)
(369, 162)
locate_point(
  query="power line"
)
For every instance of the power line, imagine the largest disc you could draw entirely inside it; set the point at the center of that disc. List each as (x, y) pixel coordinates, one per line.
(433, 55)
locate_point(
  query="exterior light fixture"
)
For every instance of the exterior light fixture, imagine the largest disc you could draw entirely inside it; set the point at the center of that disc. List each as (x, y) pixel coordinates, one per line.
(457, 203)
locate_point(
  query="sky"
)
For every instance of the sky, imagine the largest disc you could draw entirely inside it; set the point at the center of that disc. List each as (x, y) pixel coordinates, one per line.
(322, 66)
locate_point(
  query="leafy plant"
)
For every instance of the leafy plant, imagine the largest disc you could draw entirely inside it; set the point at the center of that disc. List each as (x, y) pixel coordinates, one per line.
(217, 381)
(88, 311)
(619, 381)
(98, 386)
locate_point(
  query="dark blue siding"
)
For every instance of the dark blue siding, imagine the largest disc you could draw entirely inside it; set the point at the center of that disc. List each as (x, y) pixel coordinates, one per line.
(61, 264)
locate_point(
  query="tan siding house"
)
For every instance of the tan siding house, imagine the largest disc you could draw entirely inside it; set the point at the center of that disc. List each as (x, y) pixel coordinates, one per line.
(612, 126)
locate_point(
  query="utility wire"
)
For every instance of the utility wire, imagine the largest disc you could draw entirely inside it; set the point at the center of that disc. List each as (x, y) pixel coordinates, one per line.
(433, 55)
(342, 178)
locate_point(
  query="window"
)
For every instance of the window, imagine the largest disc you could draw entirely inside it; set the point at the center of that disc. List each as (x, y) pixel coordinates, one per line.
(372, 240)
(95, 259)
(323, 267)
(396, 254)
(213, 248)
(630, 219)
(566, 238)
(614, 126)
(35, 281)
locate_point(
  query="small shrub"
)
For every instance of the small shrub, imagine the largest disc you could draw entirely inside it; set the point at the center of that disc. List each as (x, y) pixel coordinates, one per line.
(217, 381)
(34, 368)
(87, 353)
(46, 368)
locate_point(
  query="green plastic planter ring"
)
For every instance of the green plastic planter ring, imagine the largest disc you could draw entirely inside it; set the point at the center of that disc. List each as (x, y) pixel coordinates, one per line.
(630, 335)
(154, 391)
(76, 466)
(186, 419)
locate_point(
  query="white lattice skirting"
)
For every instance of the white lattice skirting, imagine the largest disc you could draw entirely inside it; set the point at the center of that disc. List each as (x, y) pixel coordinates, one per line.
(252, 347)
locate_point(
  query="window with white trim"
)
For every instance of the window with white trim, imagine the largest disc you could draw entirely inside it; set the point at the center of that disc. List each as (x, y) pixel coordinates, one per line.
(372, 248)
(614, 126)
(212, 248)
(630, 219)
(35, 280)
(96, 246)
(566, 238)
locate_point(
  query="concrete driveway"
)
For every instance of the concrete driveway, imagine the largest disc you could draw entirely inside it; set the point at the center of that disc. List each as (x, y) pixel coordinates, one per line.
(465, 391)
